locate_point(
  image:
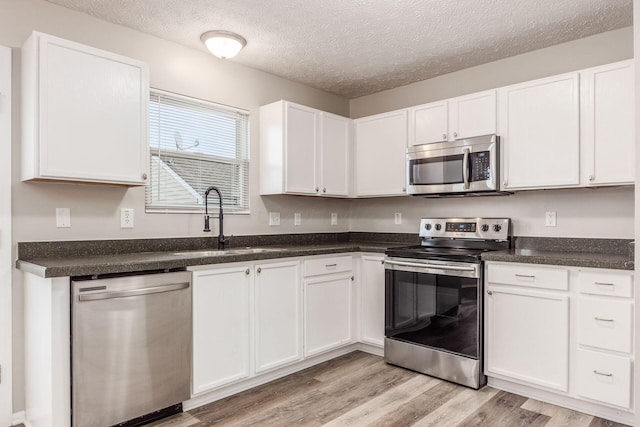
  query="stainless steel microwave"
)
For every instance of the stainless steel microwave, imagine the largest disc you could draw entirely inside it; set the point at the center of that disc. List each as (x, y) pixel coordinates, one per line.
(463, 167)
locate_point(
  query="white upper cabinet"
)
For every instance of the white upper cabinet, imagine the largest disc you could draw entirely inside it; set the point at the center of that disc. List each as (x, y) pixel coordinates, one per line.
(380, 145)
(334, 155)
(457, 118)
(428, 123)
(303, 151)
(540, 131)
(84, 114)
(608, 132)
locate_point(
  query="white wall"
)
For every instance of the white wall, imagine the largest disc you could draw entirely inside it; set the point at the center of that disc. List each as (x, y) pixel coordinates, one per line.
(636, 328)
(95, 209)
(604, 213)
(600, 49)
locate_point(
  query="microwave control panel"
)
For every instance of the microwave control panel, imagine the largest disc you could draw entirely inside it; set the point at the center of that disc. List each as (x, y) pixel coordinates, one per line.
(480, 166)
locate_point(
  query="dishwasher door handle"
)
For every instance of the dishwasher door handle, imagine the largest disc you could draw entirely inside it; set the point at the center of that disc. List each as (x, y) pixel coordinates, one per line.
(133, 292)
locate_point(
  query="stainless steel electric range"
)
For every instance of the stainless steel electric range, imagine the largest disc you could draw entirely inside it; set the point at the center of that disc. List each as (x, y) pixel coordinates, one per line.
(433, 298)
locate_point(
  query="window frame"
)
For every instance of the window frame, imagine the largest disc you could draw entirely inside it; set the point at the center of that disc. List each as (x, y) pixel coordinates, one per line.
(213, 212)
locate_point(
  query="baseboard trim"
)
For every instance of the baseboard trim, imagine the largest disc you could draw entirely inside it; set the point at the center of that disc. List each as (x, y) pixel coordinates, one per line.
(19, 417)
(247, 384)
(601, 411)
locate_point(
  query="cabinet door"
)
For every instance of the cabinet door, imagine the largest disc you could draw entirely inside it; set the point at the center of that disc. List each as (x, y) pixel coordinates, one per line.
(301, 136)
(220, 327)
(541, 133)
(381, 154)
(472, 115)
(327, 313)
(527, 336)
(334, 155)
(372, 300)
(609, 125)
(428, 123)
(277, 315)
(91, 110)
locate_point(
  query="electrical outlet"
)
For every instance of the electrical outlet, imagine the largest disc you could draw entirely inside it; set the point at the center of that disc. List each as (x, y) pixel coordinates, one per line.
(126, 218)
(63, 217)
(274, 218)
(297, 218)
(334, 218)
(550, 219)
(398, 218)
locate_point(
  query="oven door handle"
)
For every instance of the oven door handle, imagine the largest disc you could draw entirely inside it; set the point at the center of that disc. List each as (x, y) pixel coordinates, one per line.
(465, 168)
(437, 266)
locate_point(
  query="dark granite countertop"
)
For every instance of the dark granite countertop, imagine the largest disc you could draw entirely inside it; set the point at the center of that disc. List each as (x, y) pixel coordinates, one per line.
(84, 265)
(83, 258)
(615, 254)
(576, 259)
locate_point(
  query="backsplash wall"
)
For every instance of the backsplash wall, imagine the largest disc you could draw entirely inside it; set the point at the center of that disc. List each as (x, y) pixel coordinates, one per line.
(584, 212)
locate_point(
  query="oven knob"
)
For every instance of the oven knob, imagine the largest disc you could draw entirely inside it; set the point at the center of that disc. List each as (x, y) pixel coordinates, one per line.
(427, 226)
(485, 227)
(497, 228)
(438, 227)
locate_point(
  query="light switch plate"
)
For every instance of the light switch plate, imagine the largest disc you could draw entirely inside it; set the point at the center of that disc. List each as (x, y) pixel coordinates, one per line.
(398, 218)
(274, 218)
(63, 217)
(297, 218)
(550, 219)
(126, 218)
(334, 218)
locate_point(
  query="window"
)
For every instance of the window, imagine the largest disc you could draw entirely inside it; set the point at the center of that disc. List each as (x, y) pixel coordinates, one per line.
(195, 144)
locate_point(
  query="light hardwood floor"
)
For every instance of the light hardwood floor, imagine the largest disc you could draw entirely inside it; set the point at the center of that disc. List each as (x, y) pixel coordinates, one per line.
(359, 389)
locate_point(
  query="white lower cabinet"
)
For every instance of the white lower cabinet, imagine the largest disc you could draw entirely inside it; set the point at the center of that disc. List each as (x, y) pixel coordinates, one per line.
(528, 336)
(603, 377)
(328, 293)
(277, 315)
(221, 319)
(246, 320)
(371, 282)
(561, 334)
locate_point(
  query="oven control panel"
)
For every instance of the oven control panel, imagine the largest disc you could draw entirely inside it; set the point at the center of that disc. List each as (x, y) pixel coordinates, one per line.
(468, 228)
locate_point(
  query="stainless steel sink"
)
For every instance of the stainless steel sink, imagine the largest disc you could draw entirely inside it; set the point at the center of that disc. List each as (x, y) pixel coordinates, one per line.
(213, 253)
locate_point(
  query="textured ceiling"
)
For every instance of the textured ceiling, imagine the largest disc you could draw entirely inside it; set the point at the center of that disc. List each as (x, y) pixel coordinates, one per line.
(358, 47)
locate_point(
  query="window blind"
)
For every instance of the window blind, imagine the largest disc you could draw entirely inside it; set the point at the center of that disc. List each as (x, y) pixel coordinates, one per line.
(195, 144)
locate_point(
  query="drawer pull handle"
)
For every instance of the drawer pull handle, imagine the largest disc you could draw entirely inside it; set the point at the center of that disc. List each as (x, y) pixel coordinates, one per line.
(330, 265)
(600, 319)
(604, 284)
(602, 373)
(525, 276)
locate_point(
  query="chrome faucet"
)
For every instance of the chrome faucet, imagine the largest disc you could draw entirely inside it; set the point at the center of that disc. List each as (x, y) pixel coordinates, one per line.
(221, 239)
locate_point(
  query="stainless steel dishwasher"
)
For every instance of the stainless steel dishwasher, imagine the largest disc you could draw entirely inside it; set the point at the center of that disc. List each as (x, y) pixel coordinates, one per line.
(131, 347)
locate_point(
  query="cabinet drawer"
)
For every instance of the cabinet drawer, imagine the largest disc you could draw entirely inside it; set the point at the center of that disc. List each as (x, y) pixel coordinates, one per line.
(605, 324)
(605, 283)
(314, 267)
(604, 377)
(533, 277)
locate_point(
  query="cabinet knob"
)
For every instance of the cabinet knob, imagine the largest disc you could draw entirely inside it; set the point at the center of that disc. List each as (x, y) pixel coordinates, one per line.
(444, 136)
(247, 272)
(324, 190)
(504, 183)
(144, 176)
(404, 189)
(352, 278)
(590, 177)
(489, 292)
(455, 134)
(259, 270)
(317, 189)
(382, 261)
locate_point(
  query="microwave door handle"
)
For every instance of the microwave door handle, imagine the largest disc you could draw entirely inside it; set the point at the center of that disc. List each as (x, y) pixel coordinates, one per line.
(465, 168)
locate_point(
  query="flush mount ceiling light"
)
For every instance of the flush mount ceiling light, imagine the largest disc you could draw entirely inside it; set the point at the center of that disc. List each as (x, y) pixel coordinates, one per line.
(223, 44)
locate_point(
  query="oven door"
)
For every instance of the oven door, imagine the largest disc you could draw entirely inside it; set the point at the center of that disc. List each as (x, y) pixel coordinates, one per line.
(468, 166)
(434, 304)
